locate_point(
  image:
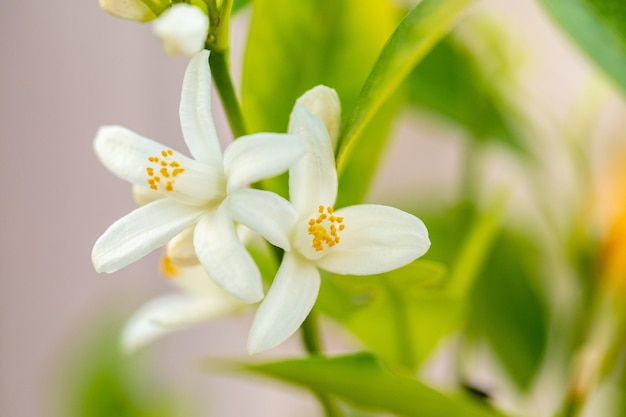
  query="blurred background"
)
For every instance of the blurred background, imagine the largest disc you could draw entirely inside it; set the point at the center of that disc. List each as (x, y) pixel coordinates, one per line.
(67, 68)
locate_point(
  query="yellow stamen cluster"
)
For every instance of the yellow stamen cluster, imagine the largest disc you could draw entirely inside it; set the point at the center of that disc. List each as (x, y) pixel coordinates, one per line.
(164, 170)
(325, 228)
(168, 268)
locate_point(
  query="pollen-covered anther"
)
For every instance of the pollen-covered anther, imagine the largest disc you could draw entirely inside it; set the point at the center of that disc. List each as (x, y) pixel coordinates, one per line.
(163, 167)
(325, 228)
(168, 268)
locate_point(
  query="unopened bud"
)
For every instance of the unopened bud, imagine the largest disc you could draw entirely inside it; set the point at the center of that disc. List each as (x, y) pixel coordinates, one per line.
(183, 29)
(324, 102)
(180, 249)
(133, 9)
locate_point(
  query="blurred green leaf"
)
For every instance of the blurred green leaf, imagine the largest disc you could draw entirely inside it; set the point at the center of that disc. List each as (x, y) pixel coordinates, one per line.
(599, 29)
(239, 4)
(100, 381)
(362, 380)
(475, 250)
(402, 315)
(612, 13)
(503, 305)
(449, 82)
(360, 169)
(398, 315)
(507, 310)
(294, 46)
(416, 34)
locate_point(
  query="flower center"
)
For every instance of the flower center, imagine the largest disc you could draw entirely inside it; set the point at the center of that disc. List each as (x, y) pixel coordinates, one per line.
(162, 171)
(325, 228)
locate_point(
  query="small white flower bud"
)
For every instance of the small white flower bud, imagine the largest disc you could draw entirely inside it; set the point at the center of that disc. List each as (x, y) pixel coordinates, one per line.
(183, 29)
(324, 102)
(128, 9)
(180, 249)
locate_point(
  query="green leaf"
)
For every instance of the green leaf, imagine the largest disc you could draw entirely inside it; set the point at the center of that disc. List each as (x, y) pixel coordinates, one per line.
(599, 29)
(399, 315)
(239, 4)
(361, 380)
(360, 169)
(402, 315)
(476, 248)
(99, 380)
(296, 45)
(449, 83)
(507, 310)
(418, 32)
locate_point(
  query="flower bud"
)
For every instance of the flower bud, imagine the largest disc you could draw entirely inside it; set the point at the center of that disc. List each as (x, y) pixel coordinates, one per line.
(180, 249)
(132, 9)
(324, 102)
(183, 29)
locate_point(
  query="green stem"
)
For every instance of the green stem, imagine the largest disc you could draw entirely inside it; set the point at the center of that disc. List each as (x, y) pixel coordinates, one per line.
(313, 345)
(214, 15)
(330, 408)
(218, 62)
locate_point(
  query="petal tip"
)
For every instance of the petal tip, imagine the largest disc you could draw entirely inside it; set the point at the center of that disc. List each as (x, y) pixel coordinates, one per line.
(251, 297)
(96, 259)
(258, 344)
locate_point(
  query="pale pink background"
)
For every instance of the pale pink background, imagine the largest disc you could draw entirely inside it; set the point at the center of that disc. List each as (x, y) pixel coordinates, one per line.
(66, 68)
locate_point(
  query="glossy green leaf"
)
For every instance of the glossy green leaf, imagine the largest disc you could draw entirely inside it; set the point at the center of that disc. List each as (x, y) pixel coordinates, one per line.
(449, 83)
(417, 33)
(362, 380)
(294, 46)
(598, 28)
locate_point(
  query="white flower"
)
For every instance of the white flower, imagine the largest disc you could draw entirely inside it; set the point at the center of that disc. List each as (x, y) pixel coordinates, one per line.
(194, 190)
(183, 28)
(358, 240)
(128, 9)
(198, 300)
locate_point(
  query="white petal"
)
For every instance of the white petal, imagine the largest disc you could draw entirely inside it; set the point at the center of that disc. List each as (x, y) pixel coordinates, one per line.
(288, 302)
(225, 258)
(168, 313)
(140, 232)
(264, 212)
(144, 195)
(195, 281)
(183, 29)
(376, 239)
(324, 103)
(131, 157)
(263, 155)
(128, 9)
(141, 328)
(196, 119)
(313, 179)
